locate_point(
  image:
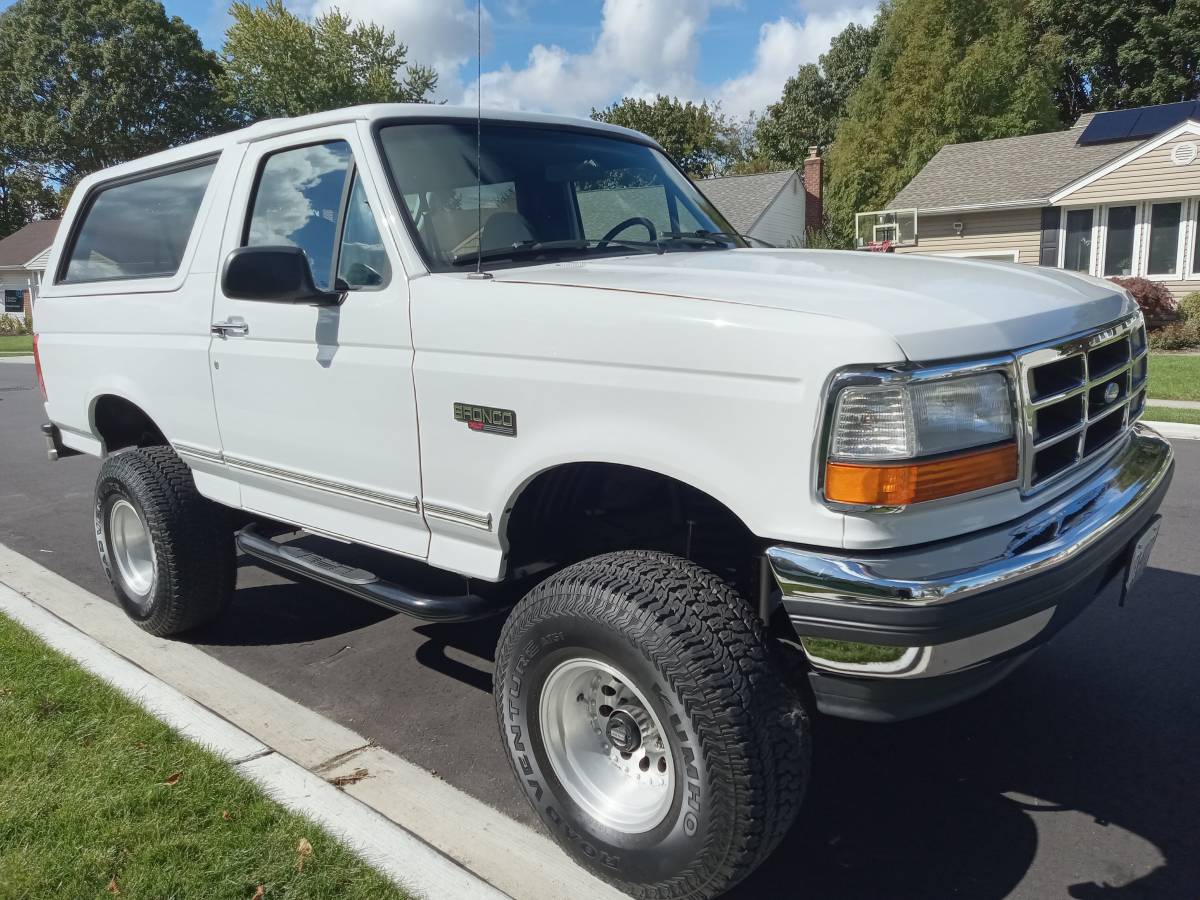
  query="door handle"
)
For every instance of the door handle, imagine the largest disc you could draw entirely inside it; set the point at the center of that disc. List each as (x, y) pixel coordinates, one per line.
(234, 326)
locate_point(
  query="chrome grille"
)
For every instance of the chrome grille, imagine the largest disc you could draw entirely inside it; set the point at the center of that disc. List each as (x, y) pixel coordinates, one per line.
(1079, 396)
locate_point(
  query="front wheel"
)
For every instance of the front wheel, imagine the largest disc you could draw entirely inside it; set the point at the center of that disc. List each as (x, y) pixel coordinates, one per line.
(648, 724)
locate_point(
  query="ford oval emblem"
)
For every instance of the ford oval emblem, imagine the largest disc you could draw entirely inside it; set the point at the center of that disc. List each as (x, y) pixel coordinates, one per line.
(1112, 392)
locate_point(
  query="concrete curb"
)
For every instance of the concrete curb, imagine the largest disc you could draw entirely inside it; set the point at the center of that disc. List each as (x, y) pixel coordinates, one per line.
(404, 820)
(1175, 430)
(1175, 404)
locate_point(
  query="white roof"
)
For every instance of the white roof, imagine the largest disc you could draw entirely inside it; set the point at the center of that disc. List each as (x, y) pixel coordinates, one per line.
(372, 112)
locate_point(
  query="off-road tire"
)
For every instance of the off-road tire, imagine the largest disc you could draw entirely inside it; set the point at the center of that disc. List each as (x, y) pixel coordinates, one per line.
(195, 567)
(739, 735)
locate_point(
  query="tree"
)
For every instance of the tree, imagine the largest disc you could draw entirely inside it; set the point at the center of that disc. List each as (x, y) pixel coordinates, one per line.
(846, 62)
(945, 71)
(279, 65)
(698, 137)
(805, 116)
(86, 84)
(814, 99)
(23, 198)
(1124, 53)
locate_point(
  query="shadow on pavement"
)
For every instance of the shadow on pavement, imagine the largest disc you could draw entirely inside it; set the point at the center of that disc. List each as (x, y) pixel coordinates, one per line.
(948, 805)
(289, 613)
(477, 639)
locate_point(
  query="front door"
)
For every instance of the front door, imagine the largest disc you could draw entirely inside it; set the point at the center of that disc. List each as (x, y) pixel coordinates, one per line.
(316, 405)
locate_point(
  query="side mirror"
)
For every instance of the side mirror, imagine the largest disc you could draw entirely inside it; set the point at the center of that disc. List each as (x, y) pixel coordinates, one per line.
(273, 275)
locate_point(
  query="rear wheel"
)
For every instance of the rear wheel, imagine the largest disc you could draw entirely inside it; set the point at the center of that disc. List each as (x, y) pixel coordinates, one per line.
(168, 552)
(649, 725)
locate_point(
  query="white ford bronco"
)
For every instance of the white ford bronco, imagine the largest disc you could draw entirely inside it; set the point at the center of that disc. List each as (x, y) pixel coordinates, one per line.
(714, 488)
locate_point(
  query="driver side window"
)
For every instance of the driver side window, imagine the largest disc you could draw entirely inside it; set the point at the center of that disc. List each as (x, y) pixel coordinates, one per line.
(301, 200)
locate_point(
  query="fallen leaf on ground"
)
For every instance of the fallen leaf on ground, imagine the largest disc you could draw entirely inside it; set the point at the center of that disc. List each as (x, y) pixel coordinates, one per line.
(173, 779)
(225, 815)
(112, 886)
(304, 851)
(259, 893)
(353, 778)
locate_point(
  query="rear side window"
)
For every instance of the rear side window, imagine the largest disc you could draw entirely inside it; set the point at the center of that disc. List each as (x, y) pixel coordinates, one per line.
(298, 200)
(138, 229)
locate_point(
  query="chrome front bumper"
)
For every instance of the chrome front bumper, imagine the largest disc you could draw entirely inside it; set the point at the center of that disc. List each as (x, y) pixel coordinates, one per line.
(985, 599)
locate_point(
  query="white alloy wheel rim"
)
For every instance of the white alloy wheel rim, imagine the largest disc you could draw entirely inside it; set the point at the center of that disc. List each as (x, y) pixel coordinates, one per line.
(131, 547)
(607, 746)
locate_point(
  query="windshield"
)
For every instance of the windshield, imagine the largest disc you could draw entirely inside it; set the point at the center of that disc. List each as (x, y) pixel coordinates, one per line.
(546, 193)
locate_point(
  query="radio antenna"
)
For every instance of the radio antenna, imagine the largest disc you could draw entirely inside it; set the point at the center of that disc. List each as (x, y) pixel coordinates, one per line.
(479, 273)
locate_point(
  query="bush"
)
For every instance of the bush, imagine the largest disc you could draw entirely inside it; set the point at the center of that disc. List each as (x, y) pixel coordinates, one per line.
(1189, 307)
(1178, 336)
(1158, 306)
(10, 325)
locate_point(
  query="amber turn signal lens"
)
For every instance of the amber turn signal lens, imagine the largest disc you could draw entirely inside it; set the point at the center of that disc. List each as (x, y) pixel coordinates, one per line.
(892, 484)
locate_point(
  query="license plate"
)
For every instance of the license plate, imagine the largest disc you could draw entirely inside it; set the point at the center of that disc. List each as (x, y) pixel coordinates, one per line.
(1139, 556)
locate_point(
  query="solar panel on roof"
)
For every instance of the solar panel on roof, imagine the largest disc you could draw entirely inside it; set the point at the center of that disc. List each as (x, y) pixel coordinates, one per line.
(1109, 126)
(1157, 119)
(1130, 124)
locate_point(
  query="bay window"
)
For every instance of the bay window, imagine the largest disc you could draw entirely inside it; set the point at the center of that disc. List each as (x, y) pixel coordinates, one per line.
(1157, 239)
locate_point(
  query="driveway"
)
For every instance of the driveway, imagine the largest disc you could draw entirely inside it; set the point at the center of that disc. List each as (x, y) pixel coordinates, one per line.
(1074, 778)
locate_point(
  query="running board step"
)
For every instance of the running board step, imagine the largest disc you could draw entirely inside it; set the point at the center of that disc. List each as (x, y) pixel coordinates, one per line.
(363, 584)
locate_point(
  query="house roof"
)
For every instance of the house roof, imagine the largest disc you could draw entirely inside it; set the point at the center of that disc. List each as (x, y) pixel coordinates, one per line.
(33, 240)
(742, 199)
(1013, 170)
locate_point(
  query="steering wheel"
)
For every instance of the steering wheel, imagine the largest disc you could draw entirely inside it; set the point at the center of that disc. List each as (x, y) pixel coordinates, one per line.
(628, 223)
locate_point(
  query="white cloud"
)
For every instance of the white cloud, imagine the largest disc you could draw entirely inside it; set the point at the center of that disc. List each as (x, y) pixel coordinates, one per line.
(783, 46)
(644, 47)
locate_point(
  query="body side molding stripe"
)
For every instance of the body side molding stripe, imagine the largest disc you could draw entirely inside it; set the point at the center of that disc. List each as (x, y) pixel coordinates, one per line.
(199, 453)
(459, 516)
(407, 504)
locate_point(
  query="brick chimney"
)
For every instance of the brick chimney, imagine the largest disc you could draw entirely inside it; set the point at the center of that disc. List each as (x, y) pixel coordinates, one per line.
(814, 173)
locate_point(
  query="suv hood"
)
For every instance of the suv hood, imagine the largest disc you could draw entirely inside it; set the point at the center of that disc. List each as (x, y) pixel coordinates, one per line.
(934, 308)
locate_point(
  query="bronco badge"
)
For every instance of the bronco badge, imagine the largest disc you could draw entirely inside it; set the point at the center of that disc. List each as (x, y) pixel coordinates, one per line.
(488, 419)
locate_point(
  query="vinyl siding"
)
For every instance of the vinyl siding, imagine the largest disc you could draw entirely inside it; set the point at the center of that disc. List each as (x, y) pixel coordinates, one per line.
(998, 231)
(1148, 177)
(782, 223)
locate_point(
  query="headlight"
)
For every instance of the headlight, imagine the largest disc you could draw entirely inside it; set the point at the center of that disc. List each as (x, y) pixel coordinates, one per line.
(902, 443)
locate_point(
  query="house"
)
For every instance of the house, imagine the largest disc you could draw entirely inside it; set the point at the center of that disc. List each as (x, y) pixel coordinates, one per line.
(23, 256)
(775, 207)
(1117, 194)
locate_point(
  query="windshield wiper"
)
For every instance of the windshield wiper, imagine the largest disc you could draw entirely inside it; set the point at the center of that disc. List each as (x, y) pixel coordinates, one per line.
(536, 248)
(713, 237)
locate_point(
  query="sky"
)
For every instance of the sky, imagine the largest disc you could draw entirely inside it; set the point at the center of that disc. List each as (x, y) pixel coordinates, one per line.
(568, 56)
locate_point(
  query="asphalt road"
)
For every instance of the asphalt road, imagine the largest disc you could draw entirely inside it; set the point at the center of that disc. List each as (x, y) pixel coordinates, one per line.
(1079, 776)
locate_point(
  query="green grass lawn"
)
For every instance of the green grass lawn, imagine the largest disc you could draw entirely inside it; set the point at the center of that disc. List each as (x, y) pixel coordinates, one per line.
(1174, 376)
(16, 345)
(97, 796)
(1168, 414)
